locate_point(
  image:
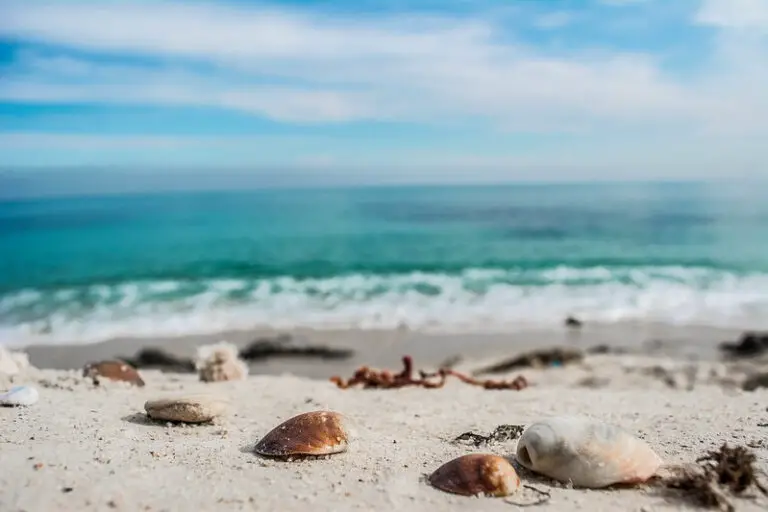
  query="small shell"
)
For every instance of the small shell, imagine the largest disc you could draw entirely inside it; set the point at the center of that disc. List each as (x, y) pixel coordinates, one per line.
(13, 363)
(19, 395)
(475, 474)
(113, 370)
(186, 409)
(586, 453)
(220, 362)
(308, 434)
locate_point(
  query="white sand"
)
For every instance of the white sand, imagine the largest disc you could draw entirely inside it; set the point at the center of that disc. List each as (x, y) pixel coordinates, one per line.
(96, 441)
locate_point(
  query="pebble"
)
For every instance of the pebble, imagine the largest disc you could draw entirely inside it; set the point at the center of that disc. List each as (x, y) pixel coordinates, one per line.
(186, 409)
(19, 396)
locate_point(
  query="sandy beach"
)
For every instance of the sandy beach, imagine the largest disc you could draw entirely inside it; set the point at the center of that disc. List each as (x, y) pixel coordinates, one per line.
(86, 447)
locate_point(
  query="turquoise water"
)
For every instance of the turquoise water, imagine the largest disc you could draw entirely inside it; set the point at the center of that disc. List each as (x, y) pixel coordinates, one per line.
(438, 258)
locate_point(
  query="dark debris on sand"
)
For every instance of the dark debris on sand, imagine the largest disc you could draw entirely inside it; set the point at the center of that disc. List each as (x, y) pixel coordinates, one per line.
(573, 322)
(557, 356)
(720, 474)
(750, 344)
(500, 434)
(263, 348)
(155, 358)
(284, 346)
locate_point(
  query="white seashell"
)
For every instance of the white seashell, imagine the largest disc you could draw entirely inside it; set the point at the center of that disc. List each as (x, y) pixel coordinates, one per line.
(586, 452)
(13, 363)
(19, 395)
(220, 362)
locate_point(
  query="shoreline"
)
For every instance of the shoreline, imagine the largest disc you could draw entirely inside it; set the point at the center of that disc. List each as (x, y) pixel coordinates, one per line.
(384, 348)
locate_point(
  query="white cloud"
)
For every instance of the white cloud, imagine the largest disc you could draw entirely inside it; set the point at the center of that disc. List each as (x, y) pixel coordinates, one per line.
(299, 66)
(734, 14)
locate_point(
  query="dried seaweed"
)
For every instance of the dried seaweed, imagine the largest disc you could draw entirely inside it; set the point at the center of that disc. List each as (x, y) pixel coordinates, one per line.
(385, 379)
(155, 358)
(750, 344)
(283, 346)
(727, 471)
(500, 434)
(557, 356)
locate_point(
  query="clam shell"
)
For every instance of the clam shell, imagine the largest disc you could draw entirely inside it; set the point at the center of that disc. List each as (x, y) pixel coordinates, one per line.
(113, 370)
(186, 409)
(586, 452)
(474, 474)
(308, 434)
(19, 395)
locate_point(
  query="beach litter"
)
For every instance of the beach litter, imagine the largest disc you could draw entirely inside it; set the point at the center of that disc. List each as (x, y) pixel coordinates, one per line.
(385, 379)
(717, 474)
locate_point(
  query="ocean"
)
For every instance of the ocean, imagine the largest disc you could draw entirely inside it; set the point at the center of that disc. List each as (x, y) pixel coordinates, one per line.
(445, 259)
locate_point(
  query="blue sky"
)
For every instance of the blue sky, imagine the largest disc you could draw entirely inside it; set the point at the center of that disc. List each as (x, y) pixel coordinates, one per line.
(475, 90)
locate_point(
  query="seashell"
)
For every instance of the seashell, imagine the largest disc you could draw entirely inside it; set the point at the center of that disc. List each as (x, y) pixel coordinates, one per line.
(186, 409)
(113, 370)
(586, 452)
(309, 434)
(19, 395)
(477, 473)
(220, 362)
(13, 363)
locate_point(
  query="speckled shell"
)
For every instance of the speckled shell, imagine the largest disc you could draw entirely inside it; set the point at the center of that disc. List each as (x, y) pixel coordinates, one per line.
(19, 396)
(308, 434)
(586, 452)
(186, 409)
(113, 370)
(475, 474)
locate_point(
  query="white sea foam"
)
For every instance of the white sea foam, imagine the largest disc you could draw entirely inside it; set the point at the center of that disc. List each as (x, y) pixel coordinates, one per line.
(476, 300)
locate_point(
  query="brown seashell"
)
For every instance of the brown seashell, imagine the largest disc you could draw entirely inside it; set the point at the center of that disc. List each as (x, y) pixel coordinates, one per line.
(477, 473)
(186, 409)
(309, 434)
(113, 370)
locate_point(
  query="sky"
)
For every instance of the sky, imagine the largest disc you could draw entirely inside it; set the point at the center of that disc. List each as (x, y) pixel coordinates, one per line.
(422, 90)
